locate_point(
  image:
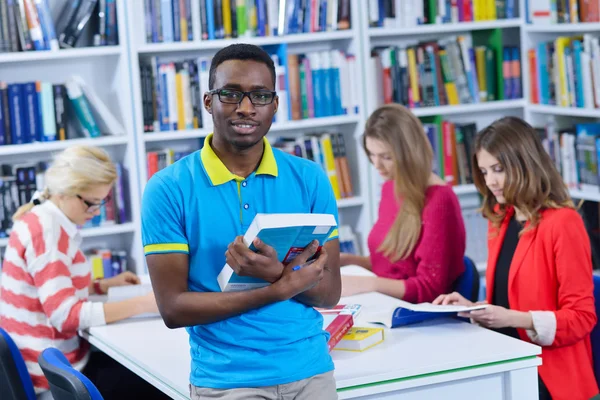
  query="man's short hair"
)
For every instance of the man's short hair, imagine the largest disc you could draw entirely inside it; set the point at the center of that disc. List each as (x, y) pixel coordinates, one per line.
(240, 51)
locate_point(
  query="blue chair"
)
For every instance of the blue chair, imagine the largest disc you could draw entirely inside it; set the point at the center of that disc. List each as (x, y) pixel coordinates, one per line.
(66, 383)
(595, 335)
(15, 381)
(468, 283)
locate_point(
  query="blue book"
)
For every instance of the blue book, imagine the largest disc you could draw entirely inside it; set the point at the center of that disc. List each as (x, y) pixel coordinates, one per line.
(394, 313)
(288, 234)
(166, 12)
(16, 113)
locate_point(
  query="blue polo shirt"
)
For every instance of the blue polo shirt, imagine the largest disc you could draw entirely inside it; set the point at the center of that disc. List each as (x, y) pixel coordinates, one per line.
(197, 206)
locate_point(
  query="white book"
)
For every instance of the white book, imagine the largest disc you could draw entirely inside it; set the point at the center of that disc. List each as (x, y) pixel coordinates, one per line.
(377, 308)
(288, 234)
(106, 120)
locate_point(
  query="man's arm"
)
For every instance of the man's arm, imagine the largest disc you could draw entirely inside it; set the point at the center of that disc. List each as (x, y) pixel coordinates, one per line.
(327, 292)
(180, 307)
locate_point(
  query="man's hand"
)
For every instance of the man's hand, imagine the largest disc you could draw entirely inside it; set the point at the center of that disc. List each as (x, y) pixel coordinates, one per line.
(299, 276)
(262, 264)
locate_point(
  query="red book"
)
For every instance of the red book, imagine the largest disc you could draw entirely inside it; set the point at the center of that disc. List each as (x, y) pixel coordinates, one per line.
(337, 326)
(338, 321)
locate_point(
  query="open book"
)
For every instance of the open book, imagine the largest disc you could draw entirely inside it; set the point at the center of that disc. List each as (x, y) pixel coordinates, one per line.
(378, 308)
(288, 234)
(120, 293)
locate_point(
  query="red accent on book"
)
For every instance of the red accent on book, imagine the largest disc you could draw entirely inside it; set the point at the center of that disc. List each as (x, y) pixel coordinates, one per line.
(338, 328)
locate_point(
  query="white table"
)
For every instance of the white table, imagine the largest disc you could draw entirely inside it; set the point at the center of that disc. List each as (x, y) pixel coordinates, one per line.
(438, 359)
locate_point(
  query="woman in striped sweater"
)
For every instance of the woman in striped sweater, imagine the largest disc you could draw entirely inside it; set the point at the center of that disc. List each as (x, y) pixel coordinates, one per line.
(46, 278)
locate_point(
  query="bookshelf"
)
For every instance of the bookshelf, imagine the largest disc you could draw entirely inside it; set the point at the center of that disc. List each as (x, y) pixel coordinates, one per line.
(106, 70)
(533, 34)
(498, 32)
(353, 211)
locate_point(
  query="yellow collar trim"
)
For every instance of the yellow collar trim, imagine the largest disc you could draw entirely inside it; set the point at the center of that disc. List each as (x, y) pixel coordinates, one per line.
(218, 172)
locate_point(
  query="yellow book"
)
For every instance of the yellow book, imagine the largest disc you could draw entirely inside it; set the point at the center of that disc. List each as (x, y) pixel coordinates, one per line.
(480, 61)
(563, 96)
(413, 74)
(183, 27)
(330, 164)
(227, 18)
(97, 267)
(180, 102)
(478, 10)
(492, 14)
(360, 339)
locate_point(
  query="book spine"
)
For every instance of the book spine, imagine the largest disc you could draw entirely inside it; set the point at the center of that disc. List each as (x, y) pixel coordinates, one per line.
(338, 328)
(60, 112)
(82, 109)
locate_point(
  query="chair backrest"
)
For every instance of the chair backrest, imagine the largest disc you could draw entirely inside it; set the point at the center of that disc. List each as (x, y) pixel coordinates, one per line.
(595, 335)
(468, 283)
(66, 383)
(15, 381)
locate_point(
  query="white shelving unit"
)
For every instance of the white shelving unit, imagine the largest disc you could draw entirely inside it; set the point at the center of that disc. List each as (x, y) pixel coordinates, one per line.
(106, 70)
(482, 113)
(353, 211)
(539, 114)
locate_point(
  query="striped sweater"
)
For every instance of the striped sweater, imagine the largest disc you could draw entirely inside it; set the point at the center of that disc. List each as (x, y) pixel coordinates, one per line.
(44, 289)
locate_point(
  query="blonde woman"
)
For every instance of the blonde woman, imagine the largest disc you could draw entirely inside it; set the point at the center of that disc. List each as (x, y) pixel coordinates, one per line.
(46, 278)
(417, 244)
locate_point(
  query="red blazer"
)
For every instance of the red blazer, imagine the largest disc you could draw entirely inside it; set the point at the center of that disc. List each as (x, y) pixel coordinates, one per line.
(551, 270)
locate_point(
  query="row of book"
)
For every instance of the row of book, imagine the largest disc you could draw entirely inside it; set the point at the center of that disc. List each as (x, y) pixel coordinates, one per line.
(546, 12)
(409, 13)
(566, 72)
(19, 182)
(107, 263)
(452, 146)
(329, 151)
(172, 20)
(575, 152)
(27, 25)
(449, 72)
(160, 159)
(311, 85)
(44, 112)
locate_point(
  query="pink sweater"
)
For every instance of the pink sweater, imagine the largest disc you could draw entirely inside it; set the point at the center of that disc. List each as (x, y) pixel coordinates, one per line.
(437, 260)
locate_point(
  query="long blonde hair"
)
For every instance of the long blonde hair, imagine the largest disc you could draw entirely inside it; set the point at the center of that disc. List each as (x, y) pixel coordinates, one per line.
(402, 131)
(74, 170)
(532, 181)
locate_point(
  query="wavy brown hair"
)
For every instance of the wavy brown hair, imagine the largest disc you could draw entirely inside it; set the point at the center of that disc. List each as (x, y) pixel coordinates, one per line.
(532, 181)
(399, 129)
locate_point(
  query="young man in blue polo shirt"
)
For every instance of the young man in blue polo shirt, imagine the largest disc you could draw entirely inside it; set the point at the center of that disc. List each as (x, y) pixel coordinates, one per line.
(266, 343)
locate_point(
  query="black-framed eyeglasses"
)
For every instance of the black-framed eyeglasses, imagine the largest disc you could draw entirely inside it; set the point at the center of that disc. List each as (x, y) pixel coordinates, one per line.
(257, 97)
(93, 207)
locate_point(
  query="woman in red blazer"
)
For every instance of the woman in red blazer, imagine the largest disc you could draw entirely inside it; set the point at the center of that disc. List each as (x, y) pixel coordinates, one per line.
(539, 275)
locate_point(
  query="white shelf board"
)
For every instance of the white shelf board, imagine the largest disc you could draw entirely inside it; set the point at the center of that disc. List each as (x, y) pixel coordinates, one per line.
(62, 54)
(218, 44)
(96, 232)
(563, 28)
(495, 106)
(350, 202)
(445, 28)
(175, 135)
(585, 194)
(108, 230)
(324, 122)
(464, 189)
(43, 147)
(566, 111)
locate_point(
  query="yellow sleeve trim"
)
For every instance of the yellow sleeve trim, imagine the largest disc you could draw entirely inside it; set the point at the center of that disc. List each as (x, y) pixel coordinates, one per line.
(166, 248)
(334, 234)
